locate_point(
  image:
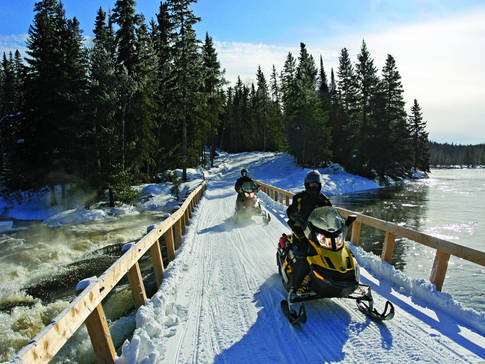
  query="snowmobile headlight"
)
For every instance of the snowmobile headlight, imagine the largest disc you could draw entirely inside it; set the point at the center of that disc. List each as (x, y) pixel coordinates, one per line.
(327, 242)
(251, 194)
(246, 194)
(323, 241)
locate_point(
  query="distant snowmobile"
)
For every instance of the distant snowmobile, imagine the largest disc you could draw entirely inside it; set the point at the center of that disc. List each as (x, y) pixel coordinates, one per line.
(334, 271)
(250, 205)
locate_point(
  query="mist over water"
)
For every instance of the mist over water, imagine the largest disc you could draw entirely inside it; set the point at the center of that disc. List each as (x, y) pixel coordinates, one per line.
(41, 266)
(448, 205)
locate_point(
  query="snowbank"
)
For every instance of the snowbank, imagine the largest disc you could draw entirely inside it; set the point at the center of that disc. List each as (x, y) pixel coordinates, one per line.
(278, 169)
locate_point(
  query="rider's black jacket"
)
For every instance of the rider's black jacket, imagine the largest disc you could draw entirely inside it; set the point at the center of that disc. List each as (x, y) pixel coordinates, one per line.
(301, 207)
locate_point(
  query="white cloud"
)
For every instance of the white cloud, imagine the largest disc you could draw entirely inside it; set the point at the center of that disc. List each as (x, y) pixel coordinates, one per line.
(12, 42)
(441, 64)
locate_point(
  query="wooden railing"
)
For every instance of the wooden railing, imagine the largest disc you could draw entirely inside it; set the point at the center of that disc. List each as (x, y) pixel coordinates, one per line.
(87, 306)
(443, 248)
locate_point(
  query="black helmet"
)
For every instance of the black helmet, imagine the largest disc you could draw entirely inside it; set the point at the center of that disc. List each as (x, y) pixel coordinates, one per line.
(244, 172)
(313, 176)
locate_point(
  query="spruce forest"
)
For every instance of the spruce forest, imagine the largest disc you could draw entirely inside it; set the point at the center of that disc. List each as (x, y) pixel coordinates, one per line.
(148, 96)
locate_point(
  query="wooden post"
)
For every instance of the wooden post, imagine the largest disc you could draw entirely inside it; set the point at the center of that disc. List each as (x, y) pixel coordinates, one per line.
(438, 272)
(137, 286)
(281, 197)
(170, 245)
(276, 193)
(355, 237)
(178, 232)
(186, 217)
(157, 262)
(189, 211)
(388, 247)
(100, 336)
(287, 199)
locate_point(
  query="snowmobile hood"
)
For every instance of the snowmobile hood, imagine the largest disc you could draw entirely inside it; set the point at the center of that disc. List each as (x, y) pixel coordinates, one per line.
(326, 220)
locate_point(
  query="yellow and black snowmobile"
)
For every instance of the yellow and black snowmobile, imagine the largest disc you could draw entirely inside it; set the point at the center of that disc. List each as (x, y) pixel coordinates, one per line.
(334, 271)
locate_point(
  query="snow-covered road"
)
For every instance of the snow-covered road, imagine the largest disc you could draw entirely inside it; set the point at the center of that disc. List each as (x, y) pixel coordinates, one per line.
(220, 303)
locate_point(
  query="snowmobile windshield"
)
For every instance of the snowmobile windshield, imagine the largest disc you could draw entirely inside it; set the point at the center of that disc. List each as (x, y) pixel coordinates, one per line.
(248, 187)
(326, 221)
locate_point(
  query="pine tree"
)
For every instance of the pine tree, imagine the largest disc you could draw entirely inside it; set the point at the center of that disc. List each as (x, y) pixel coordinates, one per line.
(212, 88)
(124, 16)
(53, 73)
(395, 139)
(168, 131)
(262, 109)
(419, 137)
(11, 103)
(143, 119)
(367, 83)
(185, 79)
(312, 140)
(345, 123)
(347, 87)
(323, 89)
(278, 142)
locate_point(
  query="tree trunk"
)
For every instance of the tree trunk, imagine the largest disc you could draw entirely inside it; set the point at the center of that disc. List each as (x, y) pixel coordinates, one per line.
(111, 197)
(52, 190)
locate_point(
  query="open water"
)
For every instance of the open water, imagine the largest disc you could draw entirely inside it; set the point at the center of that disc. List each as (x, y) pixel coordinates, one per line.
(449, 205)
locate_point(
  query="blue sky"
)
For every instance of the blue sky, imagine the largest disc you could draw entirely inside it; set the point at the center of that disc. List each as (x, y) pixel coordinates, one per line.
(438, 45)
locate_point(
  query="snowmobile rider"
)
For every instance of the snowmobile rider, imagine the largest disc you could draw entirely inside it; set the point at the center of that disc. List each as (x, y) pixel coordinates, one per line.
(302, 205)
(240, 181)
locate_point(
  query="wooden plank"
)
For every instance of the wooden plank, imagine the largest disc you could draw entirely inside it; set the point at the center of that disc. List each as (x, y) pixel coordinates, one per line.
(460, 251)
(100, 336)
(438, 272)
(170, 245)
(355, 237)
(137, 286)
(157, 261)
(388, 247)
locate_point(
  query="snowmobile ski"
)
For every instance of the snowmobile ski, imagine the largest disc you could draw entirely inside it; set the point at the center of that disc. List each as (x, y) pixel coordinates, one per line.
(368, 310)
(291, 315)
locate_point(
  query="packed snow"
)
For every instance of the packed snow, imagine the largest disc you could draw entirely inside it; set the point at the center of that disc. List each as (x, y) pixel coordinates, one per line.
(220, 298)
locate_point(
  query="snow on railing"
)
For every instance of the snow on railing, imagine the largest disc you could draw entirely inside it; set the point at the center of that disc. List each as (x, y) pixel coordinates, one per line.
(443, 248)
(87, 306)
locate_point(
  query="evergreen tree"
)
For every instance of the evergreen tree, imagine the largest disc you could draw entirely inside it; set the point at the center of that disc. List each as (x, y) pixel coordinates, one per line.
(394, 140)
(104, 92)
(11, 104)
(347, 87)
(419, 137)
(143, 119)
(212, 88)
(367, 83)
(185, 80)
(278, 142)
(345, 123)
(168, 132)
(262, 109)
(311, 140)
(54, 87)
(124, 16)
(288, 84)
(323, 89)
